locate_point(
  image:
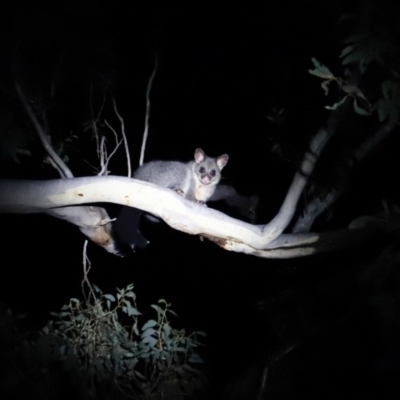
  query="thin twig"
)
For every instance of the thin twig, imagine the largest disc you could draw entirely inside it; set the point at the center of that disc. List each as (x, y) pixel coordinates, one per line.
(96, 119)
(62, 168)
(108, 158)
(86, 270)
(121, 120)
(147, 117)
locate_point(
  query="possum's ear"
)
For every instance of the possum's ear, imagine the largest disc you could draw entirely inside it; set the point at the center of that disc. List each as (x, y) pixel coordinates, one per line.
(126, 230)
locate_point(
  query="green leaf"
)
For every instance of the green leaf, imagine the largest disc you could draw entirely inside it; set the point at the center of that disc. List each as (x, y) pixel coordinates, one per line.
(359, 110)
(135, 328)
(389, 89)
(159, 310)
(139, 375)
(353, 57)
(148, 332)
(150, 340)
(346, 51)
(320, 70)
(96, 288)
(80, 317)
(109, 297)
(167, 329)
(131, 294)
(353, 90)
(173, 313)
(132, 363)
(149, 324)
(382, 106)
(131, 311)
(336, 105)
(166, 340)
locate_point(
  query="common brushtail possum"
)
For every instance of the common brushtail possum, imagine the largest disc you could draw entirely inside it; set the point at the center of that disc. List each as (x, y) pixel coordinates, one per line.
(195, 180)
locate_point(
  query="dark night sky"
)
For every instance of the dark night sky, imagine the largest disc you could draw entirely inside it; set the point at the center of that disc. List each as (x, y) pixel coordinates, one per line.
(221, 70)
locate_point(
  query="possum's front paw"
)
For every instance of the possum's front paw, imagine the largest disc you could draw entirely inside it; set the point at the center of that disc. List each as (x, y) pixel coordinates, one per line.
(180, 191)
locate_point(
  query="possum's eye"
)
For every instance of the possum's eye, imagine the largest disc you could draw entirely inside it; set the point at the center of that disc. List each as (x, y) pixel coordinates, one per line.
(212, 173)
(202, 170)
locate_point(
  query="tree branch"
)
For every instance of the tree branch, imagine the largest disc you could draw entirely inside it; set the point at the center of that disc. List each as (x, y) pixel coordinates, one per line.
(180, 214)
(147, 117)
(288, 208)
(319, 203)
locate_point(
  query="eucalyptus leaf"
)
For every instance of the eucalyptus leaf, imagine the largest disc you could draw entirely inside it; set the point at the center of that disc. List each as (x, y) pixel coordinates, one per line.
(336, 105)
(167, 329)
(357, 38)
(359, 110)
(96, 288)
(149, 324)
(148, 332)
(389, 89)
(354, 57)
(150, 340)
(88, 338)
(346, 50)
(158, 309)
(383, 108)
(131, 294)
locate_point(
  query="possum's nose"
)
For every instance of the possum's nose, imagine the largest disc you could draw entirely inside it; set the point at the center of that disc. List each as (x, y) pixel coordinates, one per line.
(205, 179)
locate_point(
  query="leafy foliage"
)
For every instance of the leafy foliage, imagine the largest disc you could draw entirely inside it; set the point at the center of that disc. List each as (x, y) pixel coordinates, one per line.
(321, 71)
(360, 51)
(101, 347)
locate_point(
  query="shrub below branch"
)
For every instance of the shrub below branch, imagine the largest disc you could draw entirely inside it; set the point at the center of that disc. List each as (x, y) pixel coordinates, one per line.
(99, 348)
